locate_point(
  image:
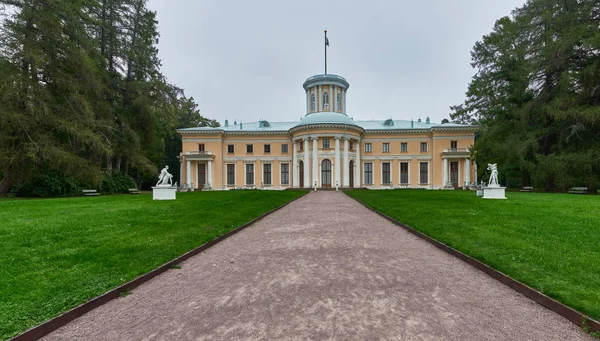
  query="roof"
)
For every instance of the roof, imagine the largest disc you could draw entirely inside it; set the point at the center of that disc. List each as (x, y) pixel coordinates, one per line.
(327, 118)
(326, 78)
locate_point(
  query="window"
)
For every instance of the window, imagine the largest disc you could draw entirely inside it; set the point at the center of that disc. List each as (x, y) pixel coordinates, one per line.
(249, 148)
(423, 173)
(368, 173)
(386, 177)
(404, 172)
(386, 147)
(313, 103)
(300, 145)
(249, 174)
(423, 146)
(285, 173)
(339, 102)
(230, 149)
(368, 148)
(284, 148)
(230, 174)
(404, 147)
(326, 100)
(453, 144)
(326, 144)
(351, 145)
(267, 148)
(201, 147)
(267, 174)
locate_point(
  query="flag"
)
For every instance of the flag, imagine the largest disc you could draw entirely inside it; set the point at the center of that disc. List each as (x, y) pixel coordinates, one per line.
(326, 41)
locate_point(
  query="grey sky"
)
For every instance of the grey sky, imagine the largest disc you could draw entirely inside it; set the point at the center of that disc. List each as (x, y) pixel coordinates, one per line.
(247, 60)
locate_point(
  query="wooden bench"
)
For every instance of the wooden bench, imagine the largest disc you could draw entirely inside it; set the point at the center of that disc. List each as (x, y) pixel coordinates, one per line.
(527, 189)
(134, 191)
(578, 190)
(90, 192)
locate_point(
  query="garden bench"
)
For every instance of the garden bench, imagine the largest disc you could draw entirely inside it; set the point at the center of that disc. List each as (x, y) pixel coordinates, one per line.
(527, 189)
(90, 192)
(134, 191)
(578, 190)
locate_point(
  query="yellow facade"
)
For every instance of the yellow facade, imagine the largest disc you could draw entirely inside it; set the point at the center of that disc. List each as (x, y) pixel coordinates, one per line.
(328, 149)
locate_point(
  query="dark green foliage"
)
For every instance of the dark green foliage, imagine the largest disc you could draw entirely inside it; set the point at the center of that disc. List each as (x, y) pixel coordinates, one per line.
(81, 92)
(49, 184)
(59, 253)
(536, 95)
(548, 241)
(118, 183)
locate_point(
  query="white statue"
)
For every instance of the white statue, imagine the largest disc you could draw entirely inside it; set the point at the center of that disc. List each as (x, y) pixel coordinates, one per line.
(494, 177)
(165, 178)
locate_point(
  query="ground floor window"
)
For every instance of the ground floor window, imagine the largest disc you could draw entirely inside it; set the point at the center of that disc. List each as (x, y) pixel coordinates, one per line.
(386, 176)
(231, 174)
(368, 173)
(267, 174)
(404, 172)
(249, 174)
(424, 173)
(285, 173)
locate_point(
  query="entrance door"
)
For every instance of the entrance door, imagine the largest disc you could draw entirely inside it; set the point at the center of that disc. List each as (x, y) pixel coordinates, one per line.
(351, 173)
(454, 173)
(201, 175)
(301, 173)
(326, 173)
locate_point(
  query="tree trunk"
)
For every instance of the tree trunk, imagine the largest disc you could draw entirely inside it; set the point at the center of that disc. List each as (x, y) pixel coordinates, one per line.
(109, 166)
(6, 182)
(118, 165)
(126, 168)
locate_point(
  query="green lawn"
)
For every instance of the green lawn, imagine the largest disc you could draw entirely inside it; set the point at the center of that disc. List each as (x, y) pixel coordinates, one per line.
(58, 253)
(548, 241)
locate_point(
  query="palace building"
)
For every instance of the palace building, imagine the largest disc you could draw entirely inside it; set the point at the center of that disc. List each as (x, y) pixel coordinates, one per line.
(327, 148)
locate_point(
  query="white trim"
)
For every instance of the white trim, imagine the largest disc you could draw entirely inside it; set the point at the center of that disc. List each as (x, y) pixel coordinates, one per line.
(257, 158)
(263, 174)
(381, 173)
(246, 173)
(400, 162)
(234, 174)
(365, 173)
(281, 174)
(453, 137)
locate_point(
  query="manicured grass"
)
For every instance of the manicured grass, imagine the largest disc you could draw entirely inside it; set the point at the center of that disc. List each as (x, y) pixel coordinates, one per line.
(550, 242)
(58, 253)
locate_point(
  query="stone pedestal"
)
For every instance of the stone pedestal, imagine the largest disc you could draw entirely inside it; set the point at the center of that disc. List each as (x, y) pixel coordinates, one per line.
(494, 193)
(163, 193)
(479, 192)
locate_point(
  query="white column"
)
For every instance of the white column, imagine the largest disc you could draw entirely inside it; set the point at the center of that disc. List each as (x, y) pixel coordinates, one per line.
(343, 100)
(307, 101)
(338, 165)
(188, 173)
(331, 97)
(315, 173)
(180, 172)
(358, 166)
(346, 163)
(320, 98)
(209, 171)
(294, 165)
(445, 175)
(306, 162)
(467, 171)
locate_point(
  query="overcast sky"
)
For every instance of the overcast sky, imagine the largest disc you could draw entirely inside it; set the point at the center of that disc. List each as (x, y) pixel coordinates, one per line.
(247, 60)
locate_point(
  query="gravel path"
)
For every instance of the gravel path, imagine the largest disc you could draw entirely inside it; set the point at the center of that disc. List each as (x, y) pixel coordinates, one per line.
(322, 268)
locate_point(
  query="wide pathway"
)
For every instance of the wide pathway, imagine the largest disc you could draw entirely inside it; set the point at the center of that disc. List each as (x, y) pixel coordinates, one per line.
(322, 268)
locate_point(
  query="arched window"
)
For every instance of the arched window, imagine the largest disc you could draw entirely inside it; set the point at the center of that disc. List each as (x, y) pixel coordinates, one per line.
(313, 102)
(339, 102)
(326, 100)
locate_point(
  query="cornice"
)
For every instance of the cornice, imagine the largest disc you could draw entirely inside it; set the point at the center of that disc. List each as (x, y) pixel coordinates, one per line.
(327, 125)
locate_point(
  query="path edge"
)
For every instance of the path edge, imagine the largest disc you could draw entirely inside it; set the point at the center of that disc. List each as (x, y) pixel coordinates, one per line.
(59, 321)
(587, 323)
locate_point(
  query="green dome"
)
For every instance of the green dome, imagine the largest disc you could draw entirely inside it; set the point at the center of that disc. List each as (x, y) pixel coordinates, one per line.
(325, 118)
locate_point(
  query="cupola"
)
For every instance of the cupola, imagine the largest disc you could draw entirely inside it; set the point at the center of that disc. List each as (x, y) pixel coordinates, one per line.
(326, 93)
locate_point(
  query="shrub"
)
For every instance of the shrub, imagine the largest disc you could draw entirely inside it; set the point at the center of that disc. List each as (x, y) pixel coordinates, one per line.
(117, 183)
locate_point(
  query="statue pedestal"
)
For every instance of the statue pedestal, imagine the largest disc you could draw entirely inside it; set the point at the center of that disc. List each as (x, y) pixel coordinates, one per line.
(494, 192)
(164, 193)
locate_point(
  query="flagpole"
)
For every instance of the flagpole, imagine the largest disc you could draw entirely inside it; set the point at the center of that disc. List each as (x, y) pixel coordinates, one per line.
(325, 51)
